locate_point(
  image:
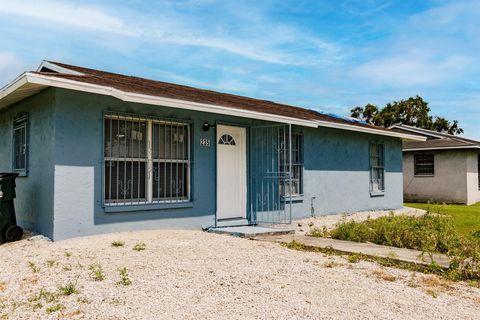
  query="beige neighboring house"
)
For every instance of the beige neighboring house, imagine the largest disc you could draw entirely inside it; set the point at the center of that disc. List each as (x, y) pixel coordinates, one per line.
(444, 168)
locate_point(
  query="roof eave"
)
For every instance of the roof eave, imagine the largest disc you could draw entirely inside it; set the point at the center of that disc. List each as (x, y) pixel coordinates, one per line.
(52, 81)
(442, 148)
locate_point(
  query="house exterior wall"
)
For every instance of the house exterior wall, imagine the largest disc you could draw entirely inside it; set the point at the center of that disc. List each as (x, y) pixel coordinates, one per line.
(449, 183)
(473, 188)
(337, 176)
(34, 202)
(70, 156)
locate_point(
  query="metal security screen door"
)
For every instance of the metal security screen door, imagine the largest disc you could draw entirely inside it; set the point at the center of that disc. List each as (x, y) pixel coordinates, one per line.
(271, 174)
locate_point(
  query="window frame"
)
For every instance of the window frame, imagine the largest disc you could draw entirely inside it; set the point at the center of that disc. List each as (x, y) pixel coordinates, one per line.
(415, 165)
(21, 123)
(381, 167)
(150, 161)
(299, 164)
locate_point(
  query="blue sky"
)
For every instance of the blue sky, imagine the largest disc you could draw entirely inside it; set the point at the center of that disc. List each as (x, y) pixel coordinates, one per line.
(325, 55)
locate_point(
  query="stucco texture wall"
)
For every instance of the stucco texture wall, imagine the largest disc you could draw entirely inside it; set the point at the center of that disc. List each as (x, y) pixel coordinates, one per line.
(337, 175)
(66, 168)
(449, 183)
(473, 187)
(336, 169)
(34, 202)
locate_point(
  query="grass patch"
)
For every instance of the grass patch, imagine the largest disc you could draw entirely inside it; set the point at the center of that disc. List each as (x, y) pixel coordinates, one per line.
(380, 274)
(139, 246)
(465, 218)
(354, 258)
(33, 267)
(118, 244)
(295, 245)
(50, 263)
(124, 278)
(55, 308)
(432, 232)
(96, 272)
(68, 289)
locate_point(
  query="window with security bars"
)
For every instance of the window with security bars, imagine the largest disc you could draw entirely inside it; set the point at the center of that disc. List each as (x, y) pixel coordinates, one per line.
(20, 144)
(297, 166)
(147, 160)
(377, 167)
(424, 164)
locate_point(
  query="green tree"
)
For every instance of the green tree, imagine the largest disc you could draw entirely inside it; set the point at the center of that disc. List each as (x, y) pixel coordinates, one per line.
(412, 111)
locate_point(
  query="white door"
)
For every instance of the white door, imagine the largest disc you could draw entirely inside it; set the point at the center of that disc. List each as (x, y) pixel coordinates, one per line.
(231, 172)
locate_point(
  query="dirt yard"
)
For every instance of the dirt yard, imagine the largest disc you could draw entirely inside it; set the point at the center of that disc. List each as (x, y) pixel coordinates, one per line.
(196, 275)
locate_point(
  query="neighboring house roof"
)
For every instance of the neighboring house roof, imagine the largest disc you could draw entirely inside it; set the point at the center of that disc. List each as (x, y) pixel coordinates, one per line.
(435, 140)
(140, 90)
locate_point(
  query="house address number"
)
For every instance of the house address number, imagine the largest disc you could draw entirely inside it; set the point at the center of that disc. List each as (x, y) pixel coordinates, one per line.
(205, 142)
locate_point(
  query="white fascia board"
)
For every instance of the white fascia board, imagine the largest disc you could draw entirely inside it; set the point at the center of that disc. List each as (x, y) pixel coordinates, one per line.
(188, 105)
(443, 148)
(14, 85)
(160, 101)
(408, 137)
(413, 129)
(57, 68)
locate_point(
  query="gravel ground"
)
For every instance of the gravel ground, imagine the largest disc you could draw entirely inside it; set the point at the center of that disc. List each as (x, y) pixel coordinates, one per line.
(303, 226)
(196, 275)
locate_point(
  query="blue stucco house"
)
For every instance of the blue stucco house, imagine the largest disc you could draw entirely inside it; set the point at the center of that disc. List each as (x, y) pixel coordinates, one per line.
(101, 152)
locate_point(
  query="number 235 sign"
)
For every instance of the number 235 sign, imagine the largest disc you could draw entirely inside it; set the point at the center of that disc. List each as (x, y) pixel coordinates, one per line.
(205, 142)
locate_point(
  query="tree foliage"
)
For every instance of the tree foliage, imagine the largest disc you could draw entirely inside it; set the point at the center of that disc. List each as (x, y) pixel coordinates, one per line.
(412, 111)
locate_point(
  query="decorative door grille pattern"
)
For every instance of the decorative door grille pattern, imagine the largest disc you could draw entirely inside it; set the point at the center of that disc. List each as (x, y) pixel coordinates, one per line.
(271, 174)
(147, 160)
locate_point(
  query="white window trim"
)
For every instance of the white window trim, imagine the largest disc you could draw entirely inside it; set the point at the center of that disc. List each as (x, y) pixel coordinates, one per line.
(149, 160)
(372, 167)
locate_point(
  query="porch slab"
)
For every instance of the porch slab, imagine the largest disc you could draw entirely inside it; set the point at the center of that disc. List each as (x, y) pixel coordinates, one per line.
(252, 231)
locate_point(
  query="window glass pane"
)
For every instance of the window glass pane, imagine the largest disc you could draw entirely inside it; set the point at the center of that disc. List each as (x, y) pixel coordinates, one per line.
(377, 179)
(125, 138)
(297, 165)
(19, 147)
(125, 181)
(424, 164)
(170, 141)
(169, 181)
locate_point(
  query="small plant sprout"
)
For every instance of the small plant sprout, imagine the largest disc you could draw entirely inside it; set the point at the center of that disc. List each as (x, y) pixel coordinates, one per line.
(97, 273)
(118, 244)
(140, 246)
(68, 289)
(55, 308)
(50, 263)
(67, 254)
(354, 258)
(295, 245)
(124, 279)
(33, 267)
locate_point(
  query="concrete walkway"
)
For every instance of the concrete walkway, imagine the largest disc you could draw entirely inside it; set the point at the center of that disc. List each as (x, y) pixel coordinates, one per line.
(369, 249)
(251, 231)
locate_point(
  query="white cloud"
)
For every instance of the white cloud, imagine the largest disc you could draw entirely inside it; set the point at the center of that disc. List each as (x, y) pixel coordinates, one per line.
(10, 67)
(67, 14)
(411, 70)
(265, 41)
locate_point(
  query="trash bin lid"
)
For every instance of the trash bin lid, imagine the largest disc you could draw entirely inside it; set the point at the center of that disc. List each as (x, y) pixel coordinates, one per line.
(8, 175)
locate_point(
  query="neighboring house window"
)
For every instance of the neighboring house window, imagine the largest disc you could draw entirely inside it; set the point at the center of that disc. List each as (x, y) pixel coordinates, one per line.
(424, 164)
(20, 144)
(377, 167)
(297, 166)
(147, 160)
